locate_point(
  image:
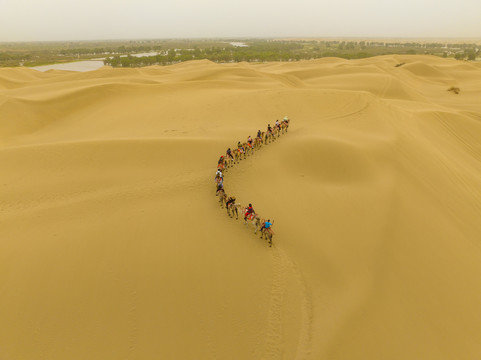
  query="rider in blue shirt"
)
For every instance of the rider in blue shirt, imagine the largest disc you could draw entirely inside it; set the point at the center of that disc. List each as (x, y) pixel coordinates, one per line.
(266, 225)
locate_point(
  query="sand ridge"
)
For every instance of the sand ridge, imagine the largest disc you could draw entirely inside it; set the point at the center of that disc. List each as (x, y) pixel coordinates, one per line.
(112, 245)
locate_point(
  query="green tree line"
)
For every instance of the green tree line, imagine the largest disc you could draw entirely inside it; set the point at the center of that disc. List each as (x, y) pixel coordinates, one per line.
(119, 52)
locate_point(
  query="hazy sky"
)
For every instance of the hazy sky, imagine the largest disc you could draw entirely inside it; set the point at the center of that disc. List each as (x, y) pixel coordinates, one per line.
(25, 20)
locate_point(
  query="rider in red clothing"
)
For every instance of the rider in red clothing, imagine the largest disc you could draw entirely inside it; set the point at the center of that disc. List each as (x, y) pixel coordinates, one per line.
(249, 211)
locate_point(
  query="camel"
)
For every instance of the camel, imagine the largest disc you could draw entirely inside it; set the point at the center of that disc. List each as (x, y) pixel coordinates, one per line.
(233, 208)
(249, 149)
(256, 220)
(218, 180)
(269, 137)
(222, 196)
(229, 162)
(267, 234)
(285, 124)
(240, 152)
(277, 130)
(258, 142)
(257, 223)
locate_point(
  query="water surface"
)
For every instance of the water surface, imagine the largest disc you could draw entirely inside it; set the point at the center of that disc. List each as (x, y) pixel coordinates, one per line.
(84, 65)
(87, 65)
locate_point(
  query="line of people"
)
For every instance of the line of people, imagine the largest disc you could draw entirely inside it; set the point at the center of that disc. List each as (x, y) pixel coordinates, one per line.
(224, 162)
(248, 147)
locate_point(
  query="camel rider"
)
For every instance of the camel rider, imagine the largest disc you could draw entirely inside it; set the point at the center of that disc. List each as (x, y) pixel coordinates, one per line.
(219, 174)
(278, 124)
(267, 225)
(249, 141)
(220, 186)
(240, 147)
(269, 129)
(229, 153)
(259, 134)
(249, 210)
(221, 160)
(230, 200)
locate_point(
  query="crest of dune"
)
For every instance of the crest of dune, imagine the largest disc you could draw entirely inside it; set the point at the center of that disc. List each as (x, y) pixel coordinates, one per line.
(113, 245)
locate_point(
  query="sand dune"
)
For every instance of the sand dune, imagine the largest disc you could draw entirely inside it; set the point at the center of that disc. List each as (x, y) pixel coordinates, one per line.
(112, 244)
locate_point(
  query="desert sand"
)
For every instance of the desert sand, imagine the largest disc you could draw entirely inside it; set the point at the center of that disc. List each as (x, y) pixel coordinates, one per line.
(113, 245)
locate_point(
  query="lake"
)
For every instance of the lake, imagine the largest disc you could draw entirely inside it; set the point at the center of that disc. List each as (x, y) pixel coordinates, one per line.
(84, 65)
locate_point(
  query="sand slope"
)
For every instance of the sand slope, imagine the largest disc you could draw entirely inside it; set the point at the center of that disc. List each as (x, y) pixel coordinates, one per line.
(112, 244)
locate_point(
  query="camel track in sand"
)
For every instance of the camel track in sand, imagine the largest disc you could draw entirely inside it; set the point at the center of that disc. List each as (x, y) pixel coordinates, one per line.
(284, 268)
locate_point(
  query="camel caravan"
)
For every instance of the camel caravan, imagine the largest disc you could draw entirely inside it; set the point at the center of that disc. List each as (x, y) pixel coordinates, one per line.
(233, 157)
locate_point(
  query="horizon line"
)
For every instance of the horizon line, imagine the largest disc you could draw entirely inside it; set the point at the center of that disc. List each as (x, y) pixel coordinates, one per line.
(287, 38)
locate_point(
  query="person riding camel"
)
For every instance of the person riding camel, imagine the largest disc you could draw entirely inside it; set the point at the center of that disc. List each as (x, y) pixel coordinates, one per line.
(229, 153)
(219, 179)
(267, 225)
(285, 123)
(220, 186)
(240, 148)
(230, 200)
(221, 164)
(278, 125)
(249, 141)
(249, 211)
(259, 134)
(219, 174)
(269, 129)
